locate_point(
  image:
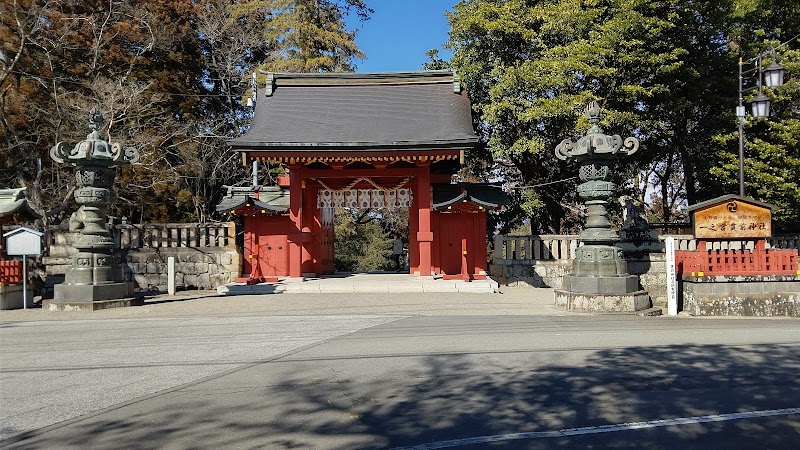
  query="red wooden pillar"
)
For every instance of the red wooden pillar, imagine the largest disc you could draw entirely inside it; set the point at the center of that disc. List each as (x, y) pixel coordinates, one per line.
(480, 246)
(311, 230)
(413, 229)
(296, 218)
(424, 235)
(436, 249)
(250, 248)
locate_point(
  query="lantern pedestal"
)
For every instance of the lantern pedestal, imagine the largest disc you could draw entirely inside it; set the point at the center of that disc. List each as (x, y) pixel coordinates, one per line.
(594, 302)
(112, 295)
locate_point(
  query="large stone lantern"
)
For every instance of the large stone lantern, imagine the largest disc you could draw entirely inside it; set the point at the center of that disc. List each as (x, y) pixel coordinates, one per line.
(599, 280)
(94, 278)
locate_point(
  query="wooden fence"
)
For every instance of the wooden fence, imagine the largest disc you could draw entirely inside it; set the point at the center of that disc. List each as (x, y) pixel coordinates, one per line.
(737, 262)
(10, 272)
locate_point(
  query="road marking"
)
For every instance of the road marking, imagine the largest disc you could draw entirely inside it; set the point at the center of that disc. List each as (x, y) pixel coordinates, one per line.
(601, 429)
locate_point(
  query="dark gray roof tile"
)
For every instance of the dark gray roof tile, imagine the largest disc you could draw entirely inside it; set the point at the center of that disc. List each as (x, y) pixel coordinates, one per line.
(309, 112)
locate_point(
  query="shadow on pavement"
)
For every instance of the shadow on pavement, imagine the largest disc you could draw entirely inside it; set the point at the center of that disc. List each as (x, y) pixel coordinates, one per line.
(347, 403)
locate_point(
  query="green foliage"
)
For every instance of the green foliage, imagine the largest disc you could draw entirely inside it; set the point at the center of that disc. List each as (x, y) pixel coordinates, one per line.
(308, 35)
(772, 150)
(361, 246)
(662, 70)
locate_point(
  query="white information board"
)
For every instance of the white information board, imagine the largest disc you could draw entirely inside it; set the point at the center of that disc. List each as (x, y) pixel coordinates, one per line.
(23, 241)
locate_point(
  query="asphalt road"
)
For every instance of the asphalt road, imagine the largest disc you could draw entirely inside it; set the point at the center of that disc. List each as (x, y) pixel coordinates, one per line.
(467, 382)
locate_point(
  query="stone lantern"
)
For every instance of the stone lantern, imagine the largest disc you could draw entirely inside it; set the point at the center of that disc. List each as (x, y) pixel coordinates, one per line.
(599, 280)
(94, 277)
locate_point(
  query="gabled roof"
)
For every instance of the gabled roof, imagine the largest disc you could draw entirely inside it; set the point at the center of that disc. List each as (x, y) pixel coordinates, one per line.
(484, 195)
(23, 230)
(727, 198)
(357, 111)
(272, 198)
(14, 201)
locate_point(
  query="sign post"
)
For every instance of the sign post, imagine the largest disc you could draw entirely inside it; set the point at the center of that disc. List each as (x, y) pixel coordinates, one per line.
(23, 242)
(171, 275)
(672, 279)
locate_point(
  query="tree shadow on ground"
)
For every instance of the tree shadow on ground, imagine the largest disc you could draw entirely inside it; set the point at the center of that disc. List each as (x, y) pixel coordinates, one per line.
(395, 400)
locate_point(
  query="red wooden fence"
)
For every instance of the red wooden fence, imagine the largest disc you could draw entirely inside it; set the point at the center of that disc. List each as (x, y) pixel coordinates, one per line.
(737, 262)
(10, 272)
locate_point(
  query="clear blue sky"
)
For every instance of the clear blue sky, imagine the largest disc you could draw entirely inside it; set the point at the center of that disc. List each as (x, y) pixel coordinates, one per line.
(399, 33)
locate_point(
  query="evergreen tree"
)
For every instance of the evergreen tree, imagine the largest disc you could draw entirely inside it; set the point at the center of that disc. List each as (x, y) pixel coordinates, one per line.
(662, 70)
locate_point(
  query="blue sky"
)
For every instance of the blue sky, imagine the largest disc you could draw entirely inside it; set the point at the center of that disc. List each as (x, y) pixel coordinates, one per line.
(399, 33)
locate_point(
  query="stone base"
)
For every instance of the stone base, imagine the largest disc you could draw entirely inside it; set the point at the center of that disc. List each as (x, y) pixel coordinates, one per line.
(613, 285)
(66, 292)
(740, 295)
(593, 302)
(11, 297)
(56, 305)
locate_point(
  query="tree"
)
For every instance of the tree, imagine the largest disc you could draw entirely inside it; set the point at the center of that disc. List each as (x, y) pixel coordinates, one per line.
(169, 76)
(772, 147)
(307, 35)
(362, 244)
(772, 151)
(663, 70)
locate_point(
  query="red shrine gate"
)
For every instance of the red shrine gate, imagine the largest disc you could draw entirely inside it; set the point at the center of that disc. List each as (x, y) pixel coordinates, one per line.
(362, 141)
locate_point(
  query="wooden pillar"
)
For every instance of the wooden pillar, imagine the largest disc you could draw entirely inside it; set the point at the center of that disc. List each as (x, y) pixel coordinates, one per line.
(296, 219)
(480, 245)
(312, 226)
(413, 229)
(424, 235)
(436, 245)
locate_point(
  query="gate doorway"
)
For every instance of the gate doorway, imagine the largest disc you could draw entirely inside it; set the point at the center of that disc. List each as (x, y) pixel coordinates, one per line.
(366, 240)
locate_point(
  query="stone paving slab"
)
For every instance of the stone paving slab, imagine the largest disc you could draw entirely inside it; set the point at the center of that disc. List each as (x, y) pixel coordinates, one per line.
(362, 283)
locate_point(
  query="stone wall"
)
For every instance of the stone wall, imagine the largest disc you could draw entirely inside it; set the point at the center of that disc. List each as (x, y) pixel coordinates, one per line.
(739, 295)
(651, 269)
(196, 266)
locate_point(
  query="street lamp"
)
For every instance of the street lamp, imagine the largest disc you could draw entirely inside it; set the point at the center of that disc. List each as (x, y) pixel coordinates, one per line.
(772, 77)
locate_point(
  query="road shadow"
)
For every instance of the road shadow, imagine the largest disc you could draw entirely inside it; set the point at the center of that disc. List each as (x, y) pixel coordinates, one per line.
(393, 400)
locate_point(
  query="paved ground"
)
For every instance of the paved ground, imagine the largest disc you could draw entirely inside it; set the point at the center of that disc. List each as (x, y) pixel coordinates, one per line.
(392, 371)
(512, 301)
(355, 283)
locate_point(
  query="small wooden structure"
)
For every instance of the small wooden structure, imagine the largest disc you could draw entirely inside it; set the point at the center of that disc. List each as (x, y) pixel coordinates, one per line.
(734, 217)
(390, 140)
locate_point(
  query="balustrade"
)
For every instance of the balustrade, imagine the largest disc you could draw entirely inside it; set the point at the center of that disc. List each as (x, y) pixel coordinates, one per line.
(171, 235)
(510, 250)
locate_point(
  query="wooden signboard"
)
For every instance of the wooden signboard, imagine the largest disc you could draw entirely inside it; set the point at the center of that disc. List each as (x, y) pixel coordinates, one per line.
(732, 218)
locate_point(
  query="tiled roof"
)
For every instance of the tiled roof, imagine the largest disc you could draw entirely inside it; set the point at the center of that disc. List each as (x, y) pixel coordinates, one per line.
(271, 198)
(14, 201)
(353, 112)
(482, 194)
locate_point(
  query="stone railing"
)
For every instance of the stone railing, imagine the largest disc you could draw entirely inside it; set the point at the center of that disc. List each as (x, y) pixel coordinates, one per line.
(544, 247)
(205, 253)
(551, 247)
(131, 237)
(543, 260)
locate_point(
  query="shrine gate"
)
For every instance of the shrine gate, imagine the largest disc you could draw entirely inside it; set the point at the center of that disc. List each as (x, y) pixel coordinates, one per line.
(388, 140)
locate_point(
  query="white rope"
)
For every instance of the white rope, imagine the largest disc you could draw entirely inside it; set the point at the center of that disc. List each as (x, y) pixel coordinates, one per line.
(368, 180)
